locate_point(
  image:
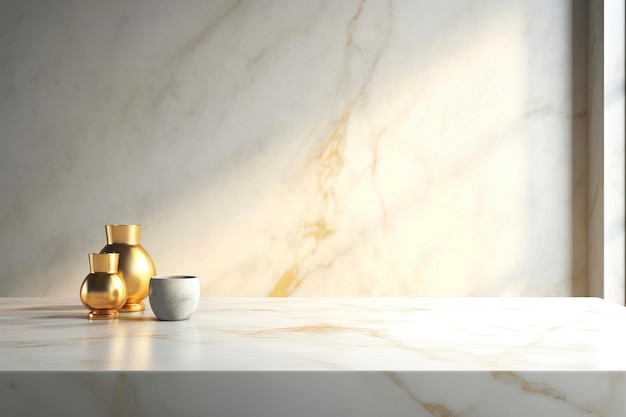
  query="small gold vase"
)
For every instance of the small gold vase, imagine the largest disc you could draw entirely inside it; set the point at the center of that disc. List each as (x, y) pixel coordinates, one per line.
(135, 266)
(103, 290)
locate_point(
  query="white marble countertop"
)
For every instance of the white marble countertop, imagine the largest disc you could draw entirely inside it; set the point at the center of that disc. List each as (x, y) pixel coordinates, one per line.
(302, 334)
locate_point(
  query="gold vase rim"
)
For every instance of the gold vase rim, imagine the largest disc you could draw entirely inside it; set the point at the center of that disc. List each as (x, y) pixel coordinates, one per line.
(104, 262)
(104, 254)
(123, 233)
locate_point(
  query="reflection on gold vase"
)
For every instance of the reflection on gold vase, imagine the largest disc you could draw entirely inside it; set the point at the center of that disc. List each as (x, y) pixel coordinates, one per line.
(135, 265)
(103, 290)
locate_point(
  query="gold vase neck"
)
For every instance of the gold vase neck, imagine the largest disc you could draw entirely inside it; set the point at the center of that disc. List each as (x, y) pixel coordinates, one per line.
(123, 233)
(104, 262)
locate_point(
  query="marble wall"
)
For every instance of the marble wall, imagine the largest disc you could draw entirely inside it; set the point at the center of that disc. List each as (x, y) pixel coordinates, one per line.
(285, 148)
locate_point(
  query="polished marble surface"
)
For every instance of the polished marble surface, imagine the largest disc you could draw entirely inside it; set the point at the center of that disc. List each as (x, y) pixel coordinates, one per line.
(280, 357)
(313, 334)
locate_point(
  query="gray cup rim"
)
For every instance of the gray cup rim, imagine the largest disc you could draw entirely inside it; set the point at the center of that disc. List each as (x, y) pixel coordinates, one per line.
(165, 277)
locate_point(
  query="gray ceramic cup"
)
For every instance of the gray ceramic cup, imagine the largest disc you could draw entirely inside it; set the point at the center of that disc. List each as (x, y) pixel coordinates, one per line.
(174, 297)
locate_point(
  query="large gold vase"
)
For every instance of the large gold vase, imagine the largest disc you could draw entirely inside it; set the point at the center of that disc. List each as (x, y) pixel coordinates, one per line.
(135, 266)
(103, 291)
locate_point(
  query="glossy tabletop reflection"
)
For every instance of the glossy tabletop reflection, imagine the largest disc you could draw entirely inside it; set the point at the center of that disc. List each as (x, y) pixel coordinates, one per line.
(302, 334)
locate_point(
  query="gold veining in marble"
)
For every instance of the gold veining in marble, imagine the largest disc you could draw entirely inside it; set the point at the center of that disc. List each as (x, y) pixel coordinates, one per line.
(540, 388)
(332, 156)
(287, 283)
(317, 230)
(318, 328)
(439, 410)
(435, 409)
(509, 377)
(331, 160)
(353, 21)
